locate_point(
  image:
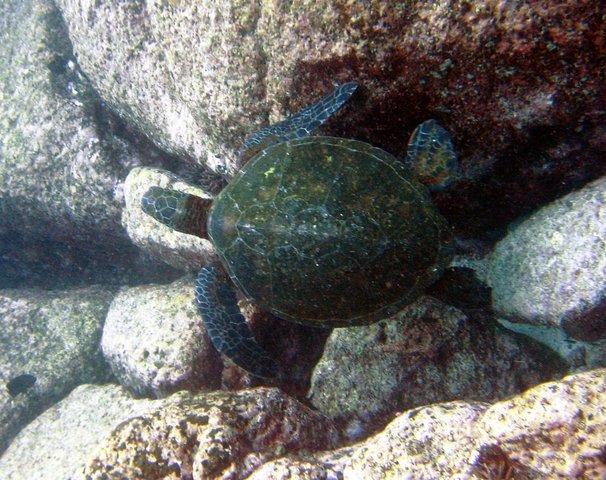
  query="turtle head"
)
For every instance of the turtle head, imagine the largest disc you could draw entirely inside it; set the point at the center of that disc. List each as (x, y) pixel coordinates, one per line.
(180, 211)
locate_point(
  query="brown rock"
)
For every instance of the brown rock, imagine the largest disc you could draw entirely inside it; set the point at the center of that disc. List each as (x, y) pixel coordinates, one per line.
(430, 352)
(216, 435)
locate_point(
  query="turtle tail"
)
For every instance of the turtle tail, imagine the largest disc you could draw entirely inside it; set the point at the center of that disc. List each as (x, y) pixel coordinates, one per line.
(226, 326)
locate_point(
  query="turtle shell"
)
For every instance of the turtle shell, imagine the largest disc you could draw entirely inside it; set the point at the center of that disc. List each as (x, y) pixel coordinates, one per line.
(329, 232)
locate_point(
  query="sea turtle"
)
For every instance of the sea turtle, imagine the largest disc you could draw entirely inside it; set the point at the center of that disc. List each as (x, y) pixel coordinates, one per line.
(319, 230)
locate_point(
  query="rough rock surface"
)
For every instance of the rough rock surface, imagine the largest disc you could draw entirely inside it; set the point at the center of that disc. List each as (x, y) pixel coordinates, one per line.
(429, 353)
(556, 430)
(61, 440)
(217, 435)
(553, 431)
(62, 165)
(427, 442)
(182, 251)
(53, 336)
(156, 343)
(100, 432)
(67, 176)
(518, 84)
(551, 268)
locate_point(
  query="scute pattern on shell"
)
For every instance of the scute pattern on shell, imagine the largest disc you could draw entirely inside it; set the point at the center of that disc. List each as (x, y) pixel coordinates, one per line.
(329, 231)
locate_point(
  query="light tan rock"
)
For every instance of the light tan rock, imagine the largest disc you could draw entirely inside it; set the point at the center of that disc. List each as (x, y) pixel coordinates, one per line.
(556, 429)
(155, 341)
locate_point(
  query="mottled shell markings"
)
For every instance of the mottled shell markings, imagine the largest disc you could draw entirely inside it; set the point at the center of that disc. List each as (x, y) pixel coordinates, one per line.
(431, 156)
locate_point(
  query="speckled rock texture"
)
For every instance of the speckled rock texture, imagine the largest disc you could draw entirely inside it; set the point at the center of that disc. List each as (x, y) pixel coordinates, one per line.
(551, 268)
(61, 163)
(518, 84)
(431, 442)
(182, 251)
(217, 435)
(53, 336)
(101, 432)
(58, 443)
(57, 168)
(156, 343)
(428, 353)
(556, 430)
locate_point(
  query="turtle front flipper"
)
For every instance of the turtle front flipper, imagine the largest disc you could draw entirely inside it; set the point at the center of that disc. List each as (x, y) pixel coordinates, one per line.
(432, 157)
(225, 324)
(300, 124)
(178, 210)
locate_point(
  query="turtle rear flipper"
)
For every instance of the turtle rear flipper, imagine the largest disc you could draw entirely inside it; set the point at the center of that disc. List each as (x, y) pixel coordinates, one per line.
(300, 124)
(225, 324)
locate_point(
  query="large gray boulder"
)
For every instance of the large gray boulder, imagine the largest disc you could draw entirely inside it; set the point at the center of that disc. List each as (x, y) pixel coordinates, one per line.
(550, 269)
(62, 161)
(198, 76)
(60, 174)
(155, 341)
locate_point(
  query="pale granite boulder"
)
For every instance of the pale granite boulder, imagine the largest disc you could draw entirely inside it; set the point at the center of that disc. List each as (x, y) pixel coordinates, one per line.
(155, 341)
(550, 269)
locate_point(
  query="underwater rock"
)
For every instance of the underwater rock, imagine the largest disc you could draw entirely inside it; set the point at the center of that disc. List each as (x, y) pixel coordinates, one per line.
(61, 167)
(216, 435)
(101, 432)
(54, 336)
(550, 269)
(62, 439)
(427, 442)
(430, 352)
(156, 343)
(518, 85)
(182, 251)
(63, 158)
(432, 442)
(555, 430)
